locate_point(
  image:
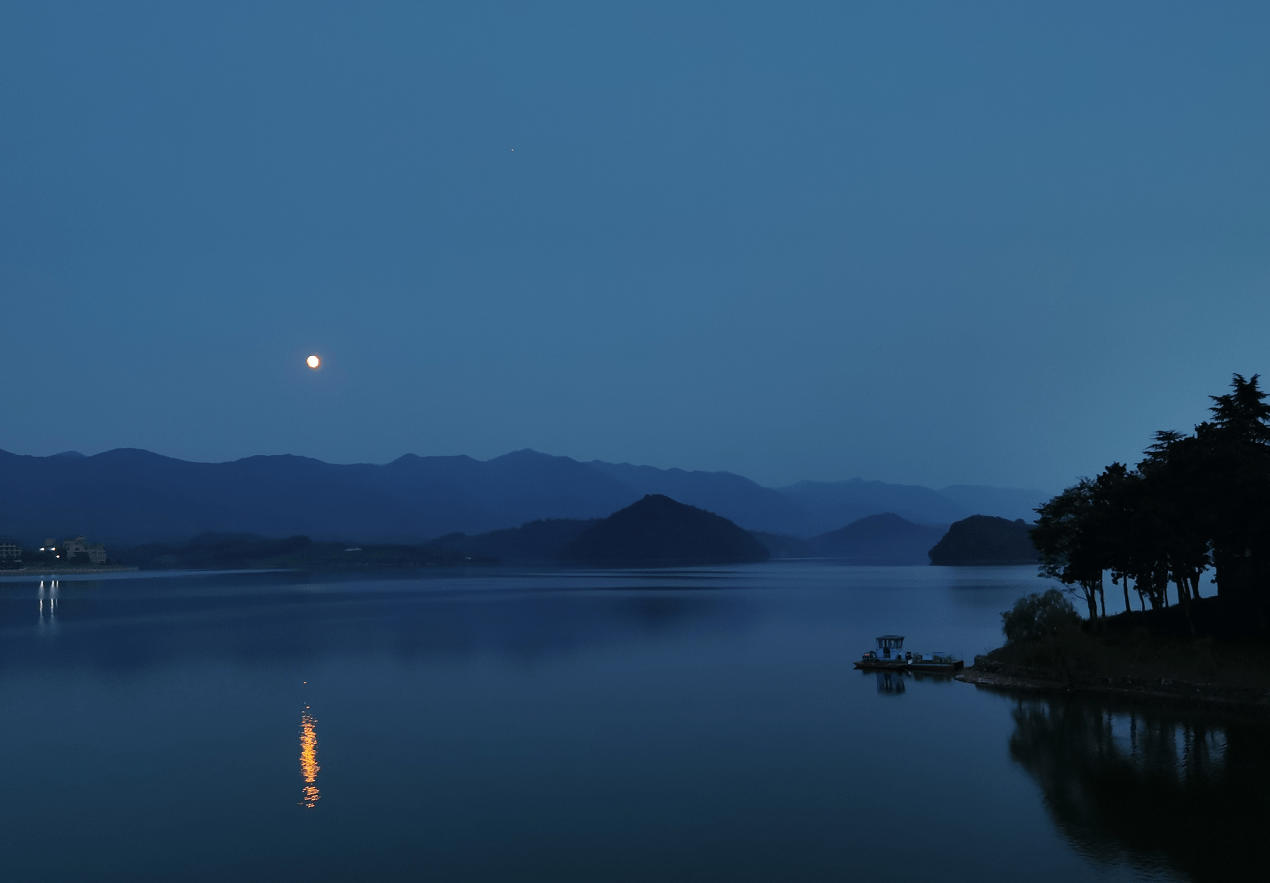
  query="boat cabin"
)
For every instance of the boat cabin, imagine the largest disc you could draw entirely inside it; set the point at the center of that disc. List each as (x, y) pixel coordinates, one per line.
(890, 647)
(890, 655)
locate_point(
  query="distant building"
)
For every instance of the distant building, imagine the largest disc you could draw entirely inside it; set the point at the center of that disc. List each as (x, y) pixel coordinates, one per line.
(77, 548)
(9, 551)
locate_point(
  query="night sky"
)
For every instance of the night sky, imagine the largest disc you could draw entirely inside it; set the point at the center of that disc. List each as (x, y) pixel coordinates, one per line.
(927, 243)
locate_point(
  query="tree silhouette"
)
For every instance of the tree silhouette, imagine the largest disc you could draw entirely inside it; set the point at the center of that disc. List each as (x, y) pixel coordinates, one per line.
(1068, 538)
(1193, 501)
(1228, 464)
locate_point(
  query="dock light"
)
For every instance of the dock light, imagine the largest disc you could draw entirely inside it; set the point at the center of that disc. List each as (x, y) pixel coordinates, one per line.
(313, 361)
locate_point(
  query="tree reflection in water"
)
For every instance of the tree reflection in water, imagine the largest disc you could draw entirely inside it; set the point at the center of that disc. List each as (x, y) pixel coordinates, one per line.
(1151, 788)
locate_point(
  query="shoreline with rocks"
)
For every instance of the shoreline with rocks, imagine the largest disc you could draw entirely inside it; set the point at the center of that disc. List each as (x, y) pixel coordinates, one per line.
(989, 674)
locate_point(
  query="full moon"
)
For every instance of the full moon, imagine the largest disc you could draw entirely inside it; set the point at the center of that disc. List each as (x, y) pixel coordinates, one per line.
(313, 361)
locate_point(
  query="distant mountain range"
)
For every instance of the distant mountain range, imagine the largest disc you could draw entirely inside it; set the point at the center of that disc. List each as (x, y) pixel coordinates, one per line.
(130, 496)
(833, 504)
(878, 539)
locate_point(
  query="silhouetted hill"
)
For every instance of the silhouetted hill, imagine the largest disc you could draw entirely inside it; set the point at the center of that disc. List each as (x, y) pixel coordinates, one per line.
(986, 539)
(514, 489)
(659, 531)
(738, 499)
(537, 541)
(833, 503)
(879, 539)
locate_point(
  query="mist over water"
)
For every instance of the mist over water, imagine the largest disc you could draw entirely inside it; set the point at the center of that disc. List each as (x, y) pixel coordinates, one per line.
(616, 725)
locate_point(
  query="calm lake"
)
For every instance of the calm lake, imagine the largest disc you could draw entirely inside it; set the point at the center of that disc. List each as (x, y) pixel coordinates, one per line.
(701, 724)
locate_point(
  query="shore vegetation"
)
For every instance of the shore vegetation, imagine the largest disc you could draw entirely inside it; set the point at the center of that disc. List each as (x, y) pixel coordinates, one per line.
(1196, 503)
(1136, 651)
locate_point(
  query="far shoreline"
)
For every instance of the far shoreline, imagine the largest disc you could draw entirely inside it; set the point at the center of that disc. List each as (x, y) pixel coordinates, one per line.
(68, 571)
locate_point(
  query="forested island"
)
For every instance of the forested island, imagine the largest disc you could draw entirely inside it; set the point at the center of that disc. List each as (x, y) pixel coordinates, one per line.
(985, 539)
(1193, 513)
(660, 531)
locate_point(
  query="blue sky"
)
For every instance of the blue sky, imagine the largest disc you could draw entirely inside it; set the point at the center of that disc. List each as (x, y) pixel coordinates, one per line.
(929, 243)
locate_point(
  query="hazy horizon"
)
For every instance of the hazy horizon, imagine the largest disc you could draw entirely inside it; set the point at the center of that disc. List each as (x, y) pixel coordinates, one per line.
(925, 244)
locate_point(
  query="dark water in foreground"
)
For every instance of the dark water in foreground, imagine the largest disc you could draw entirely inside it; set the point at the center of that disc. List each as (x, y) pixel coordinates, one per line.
(689, 725)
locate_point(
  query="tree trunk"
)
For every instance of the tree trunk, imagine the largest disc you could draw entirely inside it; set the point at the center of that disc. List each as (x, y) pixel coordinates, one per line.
(1241, 581)
(1184, 600)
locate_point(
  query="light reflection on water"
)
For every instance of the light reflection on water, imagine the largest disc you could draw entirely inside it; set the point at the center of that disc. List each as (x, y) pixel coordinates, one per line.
(680, 725)
(309, 794)
(48, 605)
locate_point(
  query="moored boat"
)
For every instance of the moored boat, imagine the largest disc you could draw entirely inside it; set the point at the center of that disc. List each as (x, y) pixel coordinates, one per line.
(939, 661)
(890, 654)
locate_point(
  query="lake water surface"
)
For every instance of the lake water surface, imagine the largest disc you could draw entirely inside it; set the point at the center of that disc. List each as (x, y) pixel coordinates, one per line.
(701, 724)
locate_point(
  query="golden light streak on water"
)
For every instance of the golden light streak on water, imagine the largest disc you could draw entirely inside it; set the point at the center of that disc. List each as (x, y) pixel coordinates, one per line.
(308, 759)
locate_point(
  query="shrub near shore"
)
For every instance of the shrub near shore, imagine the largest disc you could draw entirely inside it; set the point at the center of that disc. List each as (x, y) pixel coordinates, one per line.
(1046, 640)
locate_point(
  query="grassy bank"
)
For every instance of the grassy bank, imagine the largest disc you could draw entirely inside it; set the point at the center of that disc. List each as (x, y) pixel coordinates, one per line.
(1141, 652)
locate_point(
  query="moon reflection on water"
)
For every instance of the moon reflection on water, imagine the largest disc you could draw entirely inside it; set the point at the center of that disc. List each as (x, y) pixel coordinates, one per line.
(309, 794)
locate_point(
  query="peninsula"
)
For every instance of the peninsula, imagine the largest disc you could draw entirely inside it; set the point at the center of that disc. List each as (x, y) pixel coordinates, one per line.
(1195, 504)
